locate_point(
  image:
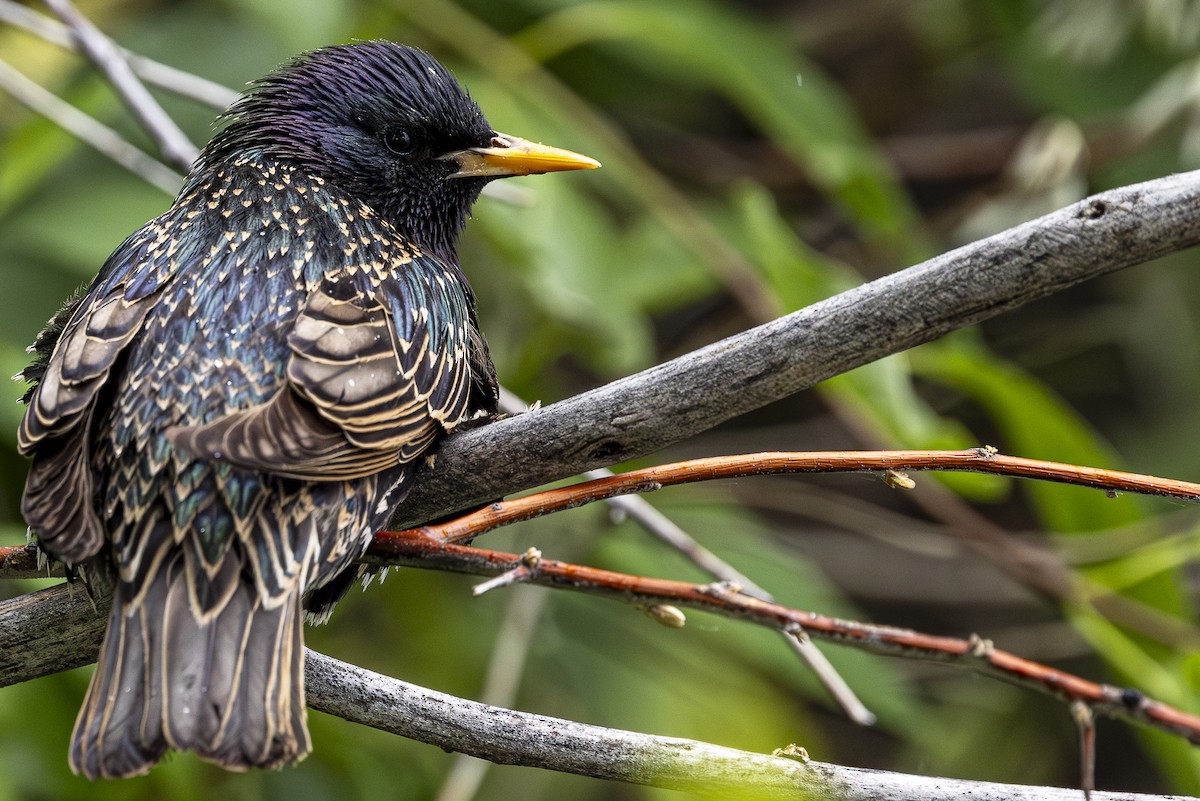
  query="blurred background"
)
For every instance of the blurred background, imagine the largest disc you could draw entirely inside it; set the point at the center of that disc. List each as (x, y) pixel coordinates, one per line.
(758, 156)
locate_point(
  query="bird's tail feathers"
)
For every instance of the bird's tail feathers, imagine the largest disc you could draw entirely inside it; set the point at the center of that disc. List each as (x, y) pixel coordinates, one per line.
(229, 685)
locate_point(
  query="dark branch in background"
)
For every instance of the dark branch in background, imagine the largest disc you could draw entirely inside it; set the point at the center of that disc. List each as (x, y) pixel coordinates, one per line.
(174, 145)
(645, 412)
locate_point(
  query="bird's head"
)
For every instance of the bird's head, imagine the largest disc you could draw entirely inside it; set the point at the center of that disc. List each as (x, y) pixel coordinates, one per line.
(390, 126)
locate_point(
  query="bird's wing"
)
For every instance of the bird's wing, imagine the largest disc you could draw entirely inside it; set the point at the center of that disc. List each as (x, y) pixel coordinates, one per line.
(99, 327)
(380, 366)
(72, 366)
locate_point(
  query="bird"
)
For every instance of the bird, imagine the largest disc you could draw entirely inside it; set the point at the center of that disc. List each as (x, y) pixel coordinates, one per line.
(220, 422)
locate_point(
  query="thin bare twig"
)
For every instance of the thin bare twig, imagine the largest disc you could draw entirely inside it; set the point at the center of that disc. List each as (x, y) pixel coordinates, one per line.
(1085, 722)
(87, 129)
(665, 529)
(416, 548)
(980, 460)
(174, 145)
(164, 76)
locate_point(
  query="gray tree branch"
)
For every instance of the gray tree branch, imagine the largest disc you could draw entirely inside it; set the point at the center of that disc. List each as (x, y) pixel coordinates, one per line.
(642, 413)
(87, 129)
(48, 631)
(519, 738)
(60, 628)
(172, 142)
(164, 76)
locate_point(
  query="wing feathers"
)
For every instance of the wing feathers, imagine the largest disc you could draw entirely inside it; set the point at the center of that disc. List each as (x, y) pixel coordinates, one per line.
(372, 381)
(285, 436)
(79, 366)
(57, 503)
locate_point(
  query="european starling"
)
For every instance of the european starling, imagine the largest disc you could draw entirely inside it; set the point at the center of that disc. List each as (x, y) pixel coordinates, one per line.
(225, 417)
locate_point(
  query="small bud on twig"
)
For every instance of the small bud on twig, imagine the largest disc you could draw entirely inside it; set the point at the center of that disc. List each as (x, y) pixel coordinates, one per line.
(792, 751)
(898, 479)
(524, 570)
(670, 616)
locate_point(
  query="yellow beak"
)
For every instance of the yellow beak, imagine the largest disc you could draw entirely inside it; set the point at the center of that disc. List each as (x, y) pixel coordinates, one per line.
(509, 155)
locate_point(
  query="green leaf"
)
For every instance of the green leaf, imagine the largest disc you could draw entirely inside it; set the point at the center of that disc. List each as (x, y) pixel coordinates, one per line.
(786, 95)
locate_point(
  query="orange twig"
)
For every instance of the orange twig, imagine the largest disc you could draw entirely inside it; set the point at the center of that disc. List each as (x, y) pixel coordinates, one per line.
(21, 561)
(416, 548)
(979, 460)
(435, 547)
(16, 561)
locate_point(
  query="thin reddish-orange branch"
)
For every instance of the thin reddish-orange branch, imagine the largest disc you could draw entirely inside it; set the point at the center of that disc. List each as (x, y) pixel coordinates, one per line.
(980, 460)
(436, 547)
(21, 561)
(418, 549)
(16, 561)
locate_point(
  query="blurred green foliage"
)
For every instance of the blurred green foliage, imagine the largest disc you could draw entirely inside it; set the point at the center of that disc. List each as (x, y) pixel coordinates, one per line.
(758, 157)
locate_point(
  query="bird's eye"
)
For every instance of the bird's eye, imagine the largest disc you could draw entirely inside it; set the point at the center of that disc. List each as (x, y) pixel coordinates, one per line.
(399, 142)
